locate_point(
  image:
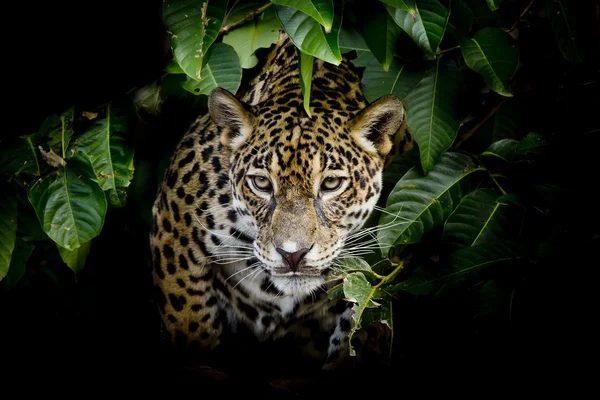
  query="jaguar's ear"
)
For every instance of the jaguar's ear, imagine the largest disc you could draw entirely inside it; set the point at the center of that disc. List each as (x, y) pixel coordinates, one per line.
(374, 128)
(235, 121)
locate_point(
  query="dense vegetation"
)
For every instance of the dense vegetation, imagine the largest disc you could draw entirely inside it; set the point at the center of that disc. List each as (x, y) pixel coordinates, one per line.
(501, 97)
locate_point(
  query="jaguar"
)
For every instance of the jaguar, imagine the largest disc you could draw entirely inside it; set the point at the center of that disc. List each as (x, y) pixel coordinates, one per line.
(259, 202)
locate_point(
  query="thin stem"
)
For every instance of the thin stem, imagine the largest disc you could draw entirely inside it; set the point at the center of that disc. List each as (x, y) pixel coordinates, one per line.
(391, 276)
(247, 18)
(496, 183)
(512, 28)
(471, 132)
(447, 50)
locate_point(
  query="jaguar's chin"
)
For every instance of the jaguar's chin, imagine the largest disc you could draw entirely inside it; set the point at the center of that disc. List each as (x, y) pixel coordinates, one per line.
(297, 285)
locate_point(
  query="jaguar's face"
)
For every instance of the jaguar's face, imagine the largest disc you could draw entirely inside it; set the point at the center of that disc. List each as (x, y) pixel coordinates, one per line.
(302, 189)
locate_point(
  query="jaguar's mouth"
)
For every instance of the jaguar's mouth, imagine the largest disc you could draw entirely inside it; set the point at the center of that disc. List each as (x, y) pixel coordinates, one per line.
(285, 271)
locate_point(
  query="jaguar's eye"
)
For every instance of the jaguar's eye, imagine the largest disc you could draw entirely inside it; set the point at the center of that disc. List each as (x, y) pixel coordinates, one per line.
(331, 183)
(261, 183)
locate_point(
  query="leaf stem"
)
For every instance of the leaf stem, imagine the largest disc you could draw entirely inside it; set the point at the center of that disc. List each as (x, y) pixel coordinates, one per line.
(391, 276)
(247, 18)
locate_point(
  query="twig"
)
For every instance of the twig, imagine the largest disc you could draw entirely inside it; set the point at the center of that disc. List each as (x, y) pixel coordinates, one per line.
(472, 131)
(447, 50)
(247, 18)
(512, 28)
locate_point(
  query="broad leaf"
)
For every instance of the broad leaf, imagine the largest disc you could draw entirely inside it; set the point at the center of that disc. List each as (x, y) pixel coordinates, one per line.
(20, 256)
(397, 80)
(381, 34)
(148, 98)
(531, 143)
(490, 54)
(8, 227)
(461, 18)
(193, 25)
(562, 15)
(480, 217)
(346, 266)
(222, 70)
(336, 292)
(320, 10)
(406, 5)
(70, 206)
(474, 259)
(420, 203)
(351, 39)
(426, 27)
(112, 159)
(420, 282)
(309, 36)
(60, 135)
(433, 112)
(305, 64)
(505, 149)
(494, 4)
(75, 259)
(261, 32)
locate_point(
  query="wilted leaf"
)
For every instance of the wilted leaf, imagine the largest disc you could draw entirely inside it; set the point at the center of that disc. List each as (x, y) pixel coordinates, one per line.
(222, 70)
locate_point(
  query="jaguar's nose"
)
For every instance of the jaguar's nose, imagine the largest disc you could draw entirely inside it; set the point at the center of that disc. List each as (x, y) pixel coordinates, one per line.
(293, 259)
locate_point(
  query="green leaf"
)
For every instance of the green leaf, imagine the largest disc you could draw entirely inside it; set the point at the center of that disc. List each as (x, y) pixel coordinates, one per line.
(70, 206)
(222, 70)
(381, 314)
(490, 54)
(563, 17)
(261, 32)
(60, 135)
(351, 39)
(433, 113)
(320, 10)
(358, 290)
(418, 203)
(308, 35)
(461, 17)
(400, 166)
(305, 64)
(20, 256)
(173, 68)
(397, 80)
(8, 227)
(193, 25)
(75, 259)
(426, 27)
(480, 217)
(407, 5)
(474, 259)
(346, 266)
(531, 143)
(336, 292)
(505, 149)
(494, 4)
(381, 34)
(112, 159)
(148, 98)
(421, 282)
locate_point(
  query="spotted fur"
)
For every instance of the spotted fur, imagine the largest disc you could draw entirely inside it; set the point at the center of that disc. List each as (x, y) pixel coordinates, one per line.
(227, 253)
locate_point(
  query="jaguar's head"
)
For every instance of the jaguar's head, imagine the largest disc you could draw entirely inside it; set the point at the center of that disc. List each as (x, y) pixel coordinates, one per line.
(302, 185)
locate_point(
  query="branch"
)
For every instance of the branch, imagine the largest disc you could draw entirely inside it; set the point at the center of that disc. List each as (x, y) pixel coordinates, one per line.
(472, 131)
(512, 28)
(247, 18)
